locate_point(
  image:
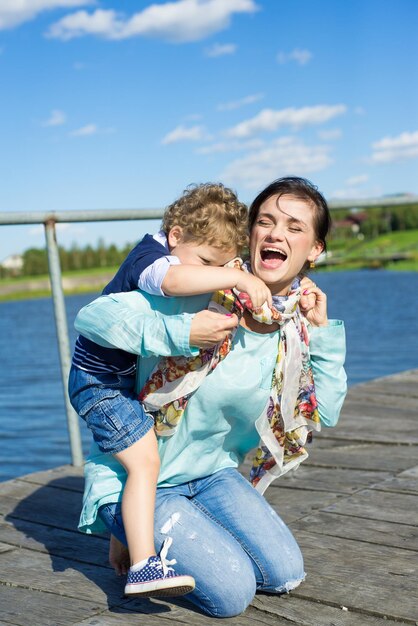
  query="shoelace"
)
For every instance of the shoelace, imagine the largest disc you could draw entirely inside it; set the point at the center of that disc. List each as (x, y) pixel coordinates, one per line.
(163, 556)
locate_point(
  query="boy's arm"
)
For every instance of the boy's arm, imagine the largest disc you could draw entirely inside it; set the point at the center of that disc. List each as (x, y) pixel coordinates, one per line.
(192, 280)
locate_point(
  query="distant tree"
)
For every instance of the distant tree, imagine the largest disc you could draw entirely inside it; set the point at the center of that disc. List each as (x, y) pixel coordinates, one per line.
(89, 257)
(35, 262)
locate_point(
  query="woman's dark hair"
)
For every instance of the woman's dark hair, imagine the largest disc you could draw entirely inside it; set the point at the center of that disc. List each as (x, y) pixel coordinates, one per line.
(302, 189)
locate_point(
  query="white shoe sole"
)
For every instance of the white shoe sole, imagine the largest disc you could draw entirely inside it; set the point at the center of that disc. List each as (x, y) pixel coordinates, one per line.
(167, 587)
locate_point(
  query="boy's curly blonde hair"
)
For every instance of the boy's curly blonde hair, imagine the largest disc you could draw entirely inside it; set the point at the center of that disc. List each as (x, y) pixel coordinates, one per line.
(211, 214)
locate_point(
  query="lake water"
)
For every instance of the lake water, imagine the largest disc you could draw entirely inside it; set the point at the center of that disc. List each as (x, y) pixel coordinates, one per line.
(379, 309)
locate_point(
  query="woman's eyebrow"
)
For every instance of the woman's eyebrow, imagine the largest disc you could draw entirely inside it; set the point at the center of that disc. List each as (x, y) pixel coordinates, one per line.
(295, 220)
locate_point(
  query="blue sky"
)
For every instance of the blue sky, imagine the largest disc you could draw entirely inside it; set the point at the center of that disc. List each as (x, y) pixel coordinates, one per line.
(108, 104)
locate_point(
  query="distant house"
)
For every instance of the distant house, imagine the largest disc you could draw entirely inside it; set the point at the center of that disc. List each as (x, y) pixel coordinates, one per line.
(12, 265)
(350, 223)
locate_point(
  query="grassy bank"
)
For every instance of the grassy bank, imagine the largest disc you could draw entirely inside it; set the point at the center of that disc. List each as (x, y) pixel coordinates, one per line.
(346, 254)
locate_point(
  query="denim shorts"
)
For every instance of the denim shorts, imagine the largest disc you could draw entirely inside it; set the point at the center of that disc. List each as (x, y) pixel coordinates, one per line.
(109, 406)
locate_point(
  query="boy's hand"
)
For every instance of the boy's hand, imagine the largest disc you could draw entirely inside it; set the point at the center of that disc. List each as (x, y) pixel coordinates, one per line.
(209, 328)
(313, 303)
(257, 290)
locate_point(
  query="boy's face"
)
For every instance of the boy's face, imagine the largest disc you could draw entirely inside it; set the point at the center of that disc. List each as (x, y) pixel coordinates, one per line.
(193, 253)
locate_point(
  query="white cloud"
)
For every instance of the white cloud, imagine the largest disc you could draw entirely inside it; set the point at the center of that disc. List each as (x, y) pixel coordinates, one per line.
(184, 133)
(220, 50)
(353, 181)
(300, 56)
(237, 104)
(57, 118)
(400, 148)
(330, 135)
(15, 12)
(269, 120)
(286, 155)
(231, 146)
(354, 188)
(85, 131)
(177, 21)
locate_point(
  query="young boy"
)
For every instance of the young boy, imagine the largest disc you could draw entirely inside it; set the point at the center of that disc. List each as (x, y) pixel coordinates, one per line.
(206, 226)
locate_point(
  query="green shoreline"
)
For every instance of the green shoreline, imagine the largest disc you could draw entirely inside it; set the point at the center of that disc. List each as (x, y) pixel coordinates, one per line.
(95, 280)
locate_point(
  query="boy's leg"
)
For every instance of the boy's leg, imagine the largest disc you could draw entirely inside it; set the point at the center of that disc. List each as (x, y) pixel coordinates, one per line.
(142, 464)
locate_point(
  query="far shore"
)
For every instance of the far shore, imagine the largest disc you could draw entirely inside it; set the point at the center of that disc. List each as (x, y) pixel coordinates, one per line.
(94, 281)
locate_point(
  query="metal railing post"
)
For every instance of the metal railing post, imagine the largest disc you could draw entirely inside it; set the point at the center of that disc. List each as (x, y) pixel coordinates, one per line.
(63, 340)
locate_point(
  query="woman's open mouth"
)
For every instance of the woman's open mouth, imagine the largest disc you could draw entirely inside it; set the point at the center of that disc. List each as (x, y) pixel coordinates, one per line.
(273, 258)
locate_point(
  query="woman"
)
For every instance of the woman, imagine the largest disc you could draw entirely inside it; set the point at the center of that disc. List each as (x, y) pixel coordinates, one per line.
(223, 530)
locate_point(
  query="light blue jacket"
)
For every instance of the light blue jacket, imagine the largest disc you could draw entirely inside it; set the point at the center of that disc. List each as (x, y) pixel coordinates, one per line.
(218, 428)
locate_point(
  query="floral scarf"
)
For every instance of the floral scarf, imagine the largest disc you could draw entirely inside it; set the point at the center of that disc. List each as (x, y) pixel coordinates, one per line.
(291, 413)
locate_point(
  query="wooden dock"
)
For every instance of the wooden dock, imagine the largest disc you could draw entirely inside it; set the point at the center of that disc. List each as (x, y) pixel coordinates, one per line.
(353, 507)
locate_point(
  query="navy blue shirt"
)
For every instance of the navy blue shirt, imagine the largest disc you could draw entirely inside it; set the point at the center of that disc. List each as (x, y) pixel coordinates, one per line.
(91, 357)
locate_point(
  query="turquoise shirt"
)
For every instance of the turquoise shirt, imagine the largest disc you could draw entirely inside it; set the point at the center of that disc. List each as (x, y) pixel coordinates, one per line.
(217, 430)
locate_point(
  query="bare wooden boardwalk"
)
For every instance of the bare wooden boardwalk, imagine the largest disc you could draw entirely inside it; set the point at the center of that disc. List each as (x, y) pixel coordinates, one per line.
(353, 508)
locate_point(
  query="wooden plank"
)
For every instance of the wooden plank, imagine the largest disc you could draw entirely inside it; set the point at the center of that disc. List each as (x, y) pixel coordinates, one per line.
(364, 397)
(406, 482)
(25, 607)
(401, 384)
(63, 577)
(4, 547)
(184, 612)
(171, 615)
(375, 531)
(337, 480)
(392, 388)
(291, 507)
(55, 541)
(379, 505)
(63, 477)
(42, 504)
(361, 456)
(302, 612)
(356, 427)
(354, 409)
(376, 579)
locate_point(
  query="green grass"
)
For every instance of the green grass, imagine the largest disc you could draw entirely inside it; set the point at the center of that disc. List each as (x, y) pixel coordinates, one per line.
(400, 241)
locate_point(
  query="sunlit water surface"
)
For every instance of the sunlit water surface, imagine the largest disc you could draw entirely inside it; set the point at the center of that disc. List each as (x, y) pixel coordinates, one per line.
(379, 309)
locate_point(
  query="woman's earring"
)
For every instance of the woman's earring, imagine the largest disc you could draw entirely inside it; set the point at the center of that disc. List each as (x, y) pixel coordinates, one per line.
(311, 264)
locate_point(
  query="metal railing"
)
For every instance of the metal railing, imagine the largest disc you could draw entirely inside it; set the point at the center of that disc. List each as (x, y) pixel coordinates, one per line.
(49, 220)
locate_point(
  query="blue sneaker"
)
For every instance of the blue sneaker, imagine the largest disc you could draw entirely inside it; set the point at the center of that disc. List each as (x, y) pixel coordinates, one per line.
(157, 579)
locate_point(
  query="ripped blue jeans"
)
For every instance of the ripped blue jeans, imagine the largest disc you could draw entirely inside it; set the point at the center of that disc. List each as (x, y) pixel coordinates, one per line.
(227, 536)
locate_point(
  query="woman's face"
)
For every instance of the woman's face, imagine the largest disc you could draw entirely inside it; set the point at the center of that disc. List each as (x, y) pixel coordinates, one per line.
(282, 240)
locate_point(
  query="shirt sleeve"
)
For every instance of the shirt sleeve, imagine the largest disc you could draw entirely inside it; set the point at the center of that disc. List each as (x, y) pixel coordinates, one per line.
(125, 321)
(327, 350)
(151, 278)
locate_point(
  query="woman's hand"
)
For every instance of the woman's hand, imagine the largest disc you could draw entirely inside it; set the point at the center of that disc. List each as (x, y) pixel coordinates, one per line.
(209, 328)
(118, 556)
(313, 303)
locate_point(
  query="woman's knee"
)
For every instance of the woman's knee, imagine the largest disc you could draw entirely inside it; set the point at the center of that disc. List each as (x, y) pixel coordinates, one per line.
(286, 573)
(227, 598)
